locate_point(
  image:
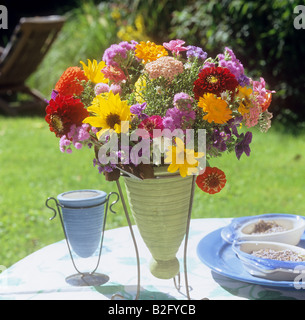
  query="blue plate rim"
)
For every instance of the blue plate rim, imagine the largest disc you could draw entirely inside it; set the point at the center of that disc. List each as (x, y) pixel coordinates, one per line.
(214, 240)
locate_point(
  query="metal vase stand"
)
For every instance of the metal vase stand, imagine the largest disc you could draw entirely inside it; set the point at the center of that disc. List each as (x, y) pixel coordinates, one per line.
(177, 282)
(84, 278)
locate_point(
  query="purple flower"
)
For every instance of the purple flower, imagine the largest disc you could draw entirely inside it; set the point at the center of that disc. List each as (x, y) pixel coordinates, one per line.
(117, 53)
(229, 60)
(220, 138)
(234, 123)
(243, 146)
(183, 101)
(54, 94)
(196, 52)
(180, 119)
(168, 123)
(243, 80)
(137, 109)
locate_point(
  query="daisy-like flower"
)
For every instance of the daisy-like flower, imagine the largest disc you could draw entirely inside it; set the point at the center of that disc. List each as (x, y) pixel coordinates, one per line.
(69, 83)
(217, 109)
(108, 113)
(214, 80)
(212, 180)
(63, 112)
(184, 160)
(149, 51)
(94, 71)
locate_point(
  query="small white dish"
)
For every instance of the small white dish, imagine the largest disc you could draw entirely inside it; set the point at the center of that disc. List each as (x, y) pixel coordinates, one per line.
(271, 269)
(242, 229)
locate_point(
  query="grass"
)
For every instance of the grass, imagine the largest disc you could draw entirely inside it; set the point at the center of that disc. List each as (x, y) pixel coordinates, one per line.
(32, 169)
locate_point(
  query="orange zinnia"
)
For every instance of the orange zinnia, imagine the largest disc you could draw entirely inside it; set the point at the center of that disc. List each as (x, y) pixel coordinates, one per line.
(69, 82)
(212, 180)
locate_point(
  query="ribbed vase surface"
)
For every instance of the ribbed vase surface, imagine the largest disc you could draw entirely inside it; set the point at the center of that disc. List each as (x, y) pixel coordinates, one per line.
(160, 209)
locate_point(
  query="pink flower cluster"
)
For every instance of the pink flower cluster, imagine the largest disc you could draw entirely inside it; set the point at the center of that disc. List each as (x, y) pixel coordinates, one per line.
(167, 67)
(262, 95)
(76, 136)
(261, 101)
(104, 87)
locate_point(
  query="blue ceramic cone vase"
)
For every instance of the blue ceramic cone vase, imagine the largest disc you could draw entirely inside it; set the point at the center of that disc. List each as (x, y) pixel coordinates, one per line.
(83, 218)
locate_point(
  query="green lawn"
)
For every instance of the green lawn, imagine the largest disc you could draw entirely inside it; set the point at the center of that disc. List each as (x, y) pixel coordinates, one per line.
(32, 169)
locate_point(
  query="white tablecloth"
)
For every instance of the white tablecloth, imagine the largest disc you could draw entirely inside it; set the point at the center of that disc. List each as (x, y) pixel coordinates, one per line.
(42, 274)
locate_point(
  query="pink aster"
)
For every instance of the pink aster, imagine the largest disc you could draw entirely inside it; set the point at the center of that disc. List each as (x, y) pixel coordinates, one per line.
(175, 46)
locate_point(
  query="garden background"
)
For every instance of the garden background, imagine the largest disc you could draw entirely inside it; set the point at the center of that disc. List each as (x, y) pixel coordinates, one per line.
(262, 35)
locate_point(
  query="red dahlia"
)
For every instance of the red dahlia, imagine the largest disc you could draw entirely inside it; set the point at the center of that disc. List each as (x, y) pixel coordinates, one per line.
(212, 180)
(63, 112)
(214, 80)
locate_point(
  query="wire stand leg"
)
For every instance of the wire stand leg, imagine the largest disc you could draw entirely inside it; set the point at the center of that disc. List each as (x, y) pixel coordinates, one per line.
(178, 285)
(134, 241)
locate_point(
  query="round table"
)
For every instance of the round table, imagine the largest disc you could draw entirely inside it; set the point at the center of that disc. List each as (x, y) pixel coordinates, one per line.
(42, 274)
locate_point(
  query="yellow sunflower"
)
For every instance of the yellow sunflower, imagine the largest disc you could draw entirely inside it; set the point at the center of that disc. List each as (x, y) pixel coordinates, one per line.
(216, 108)
(93, 71)
(184, 160)
(108, 114)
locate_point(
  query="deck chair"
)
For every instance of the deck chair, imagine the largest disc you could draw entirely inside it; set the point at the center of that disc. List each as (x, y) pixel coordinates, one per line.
(30, 42)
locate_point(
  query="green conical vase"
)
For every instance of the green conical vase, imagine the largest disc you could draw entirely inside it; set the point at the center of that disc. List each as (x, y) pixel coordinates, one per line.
(160, 208)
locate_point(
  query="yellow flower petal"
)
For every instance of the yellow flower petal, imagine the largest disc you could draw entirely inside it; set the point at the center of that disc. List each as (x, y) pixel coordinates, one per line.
(93, 71)
(108, 113)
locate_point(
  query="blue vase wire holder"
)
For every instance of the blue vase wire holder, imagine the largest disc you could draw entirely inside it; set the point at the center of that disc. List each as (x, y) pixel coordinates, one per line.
(91, 278)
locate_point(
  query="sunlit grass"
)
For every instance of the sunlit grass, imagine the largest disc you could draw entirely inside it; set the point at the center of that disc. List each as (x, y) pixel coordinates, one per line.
(32, 169)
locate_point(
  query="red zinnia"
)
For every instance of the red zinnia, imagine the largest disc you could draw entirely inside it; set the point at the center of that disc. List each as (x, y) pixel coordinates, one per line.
(63, 112)
(69, 82)
(214, 80)
(212, 180)
(151, 123)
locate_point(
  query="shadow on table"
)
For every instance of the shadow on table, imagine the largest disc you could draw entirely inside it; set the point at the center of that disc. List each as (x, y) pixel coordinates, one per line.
(253, 291)
(129, 292)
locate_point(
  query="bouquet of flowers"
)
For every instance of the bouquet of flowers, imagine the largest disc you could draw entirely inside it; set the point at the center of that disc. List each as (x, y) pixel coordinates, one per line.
(146, 105)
